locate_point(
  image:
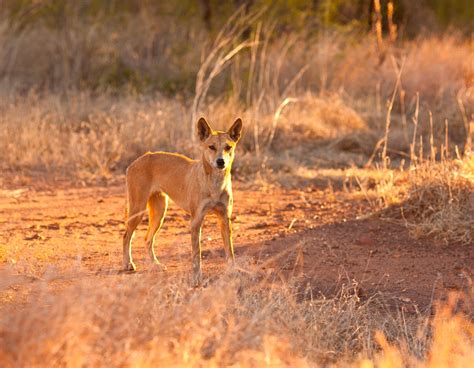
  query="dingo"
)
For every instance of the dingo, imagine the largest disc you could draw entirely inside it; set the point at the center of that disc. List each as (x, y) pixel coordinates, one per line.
(196, 186)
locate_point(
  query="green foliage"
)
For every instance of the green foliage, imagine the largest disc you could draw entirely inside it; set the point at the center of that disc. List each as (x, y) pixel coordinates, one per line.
(454, 12)
(293, 14)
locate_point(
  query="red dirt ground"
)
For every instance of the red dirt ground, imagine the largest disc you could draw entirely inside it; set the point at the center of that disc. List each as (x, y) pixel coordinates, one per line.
(311, 234)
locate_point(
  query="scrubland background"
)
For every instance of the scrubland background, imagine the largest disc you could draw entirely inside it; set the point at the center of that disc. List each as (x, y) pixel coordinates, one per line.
(88, 86)
(375, 98)
(77, 78)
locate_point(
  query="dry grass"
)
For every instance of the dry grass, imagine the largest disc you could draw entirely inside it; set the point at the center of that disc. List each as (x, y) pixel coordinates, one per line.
(433, 198)
(451, 341)
(241, 319)
(440, 201)
(85, 134)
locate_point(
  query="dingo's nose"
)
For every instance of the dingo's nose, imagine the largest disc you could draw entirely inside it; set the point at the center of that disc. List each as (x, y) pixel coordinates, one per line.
(220, 163)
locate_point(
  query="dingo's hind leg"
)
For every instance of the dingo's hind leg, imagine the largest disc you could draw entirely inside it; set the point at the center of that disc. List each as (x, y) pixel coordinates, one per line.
(136, 210)
(157, 205)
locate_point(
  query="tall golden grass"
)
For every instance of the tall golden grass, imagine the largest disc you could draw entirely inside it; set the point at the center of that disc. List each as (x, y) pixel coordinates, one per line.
(434, 194)
(440, 201)
(247, 319)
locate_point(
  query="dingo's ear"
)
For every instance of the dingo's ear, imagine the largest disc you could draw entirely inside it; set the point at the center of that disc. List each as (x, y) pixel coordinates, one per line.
(235, 130)
(203, 128)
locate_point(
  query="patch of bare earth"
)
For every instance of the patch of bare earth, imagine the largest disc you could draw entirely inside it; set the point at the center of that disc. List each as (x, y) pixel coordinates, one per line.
(64, 235)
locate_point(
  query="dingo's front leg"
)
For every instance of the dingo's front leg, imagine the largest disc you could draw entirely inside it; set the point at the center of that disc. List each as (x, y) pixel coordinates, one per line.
(197, 218)
(196, 225)
(226, 232)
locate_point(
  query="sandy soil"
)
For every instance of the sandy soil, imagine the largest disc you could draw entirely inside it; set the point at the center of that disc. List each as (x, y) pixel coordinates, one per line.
(64, 234)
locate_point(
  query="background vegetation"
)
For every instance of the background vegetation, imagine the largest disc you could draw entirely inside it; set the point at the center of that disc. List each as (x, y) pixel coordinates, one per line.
(156, 46)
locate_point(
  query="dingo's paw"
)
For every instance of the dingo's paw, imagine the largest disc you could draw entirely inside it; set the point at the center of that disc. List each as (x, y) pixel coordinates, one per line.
(129, 267)
(157, 266)
(197, 280)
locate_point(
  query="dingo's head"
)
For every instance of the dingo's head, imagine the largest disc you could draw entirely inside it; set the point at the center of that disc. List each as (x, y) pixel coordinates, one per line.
(219, 147)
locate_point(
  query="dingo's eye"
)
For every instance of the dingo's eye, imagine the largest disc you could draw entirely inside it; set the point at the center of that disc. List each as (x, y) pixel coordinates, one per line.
(212, 147)
(228, 148)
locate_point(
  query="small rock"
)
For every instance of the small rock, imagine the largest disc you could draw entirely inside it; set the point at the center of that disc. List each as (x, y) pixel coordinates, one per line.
(34, 237)
(54, 226)
(260, 225)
